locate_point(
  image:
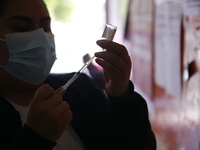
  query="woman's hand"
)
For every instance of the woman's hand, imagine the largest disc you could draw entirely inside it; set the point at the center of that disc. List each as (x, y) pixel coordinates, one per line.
(48, 114)
(117, 66)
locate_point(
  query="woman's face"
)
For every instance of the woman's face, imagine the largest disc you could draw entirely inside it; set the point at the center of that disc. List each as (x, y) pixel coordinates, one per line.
(22, 16)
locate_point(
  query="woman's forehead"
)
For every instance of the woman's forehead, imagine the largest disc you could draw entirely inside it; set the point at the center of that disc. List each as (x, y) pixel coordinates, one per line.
(26, 7)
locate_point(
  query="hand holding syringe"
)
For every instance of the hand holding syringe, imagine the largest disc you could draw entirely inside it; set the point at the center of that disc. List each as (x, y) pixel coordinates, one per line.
(108, 34)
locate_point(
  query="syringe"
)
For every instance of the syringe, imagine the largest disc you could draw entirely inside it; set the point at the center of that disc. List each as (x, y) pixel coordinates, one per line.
(108, 34)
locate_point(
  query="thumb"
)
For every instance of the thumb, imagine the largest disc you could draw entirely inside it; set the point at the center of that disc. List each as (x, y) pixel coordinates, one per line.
(58, 91)
(43, 92)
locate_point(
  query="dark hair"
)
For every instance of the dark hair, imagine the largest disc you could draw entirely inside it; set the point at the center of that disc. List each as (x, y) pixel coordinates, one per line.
(3, 4)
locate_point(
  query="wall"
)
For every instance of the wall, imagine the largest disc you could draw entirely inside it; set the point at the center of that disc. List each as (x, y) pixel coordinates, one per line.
(163, 40)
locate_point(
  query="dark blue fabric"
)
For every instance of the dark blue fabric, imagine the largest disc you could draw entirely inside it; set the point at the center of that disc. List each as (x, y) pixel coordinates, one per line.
(102, 122)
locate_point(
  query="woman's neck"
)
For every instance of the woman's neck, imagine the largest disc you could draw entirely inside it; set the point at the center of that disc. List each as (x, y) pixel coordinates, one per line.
(15, 90)
(19, 98)
(19, 94)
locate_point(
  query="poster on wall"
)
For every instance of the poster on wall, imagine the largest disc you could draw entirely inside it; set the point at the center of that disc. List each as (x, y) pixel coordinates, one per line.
(140, 36)
(168, 63)
(191, 7)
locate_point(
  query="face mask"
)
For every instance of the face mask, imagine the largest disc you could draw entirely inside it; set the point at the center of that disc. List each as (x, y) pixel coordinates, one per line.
(32, 55)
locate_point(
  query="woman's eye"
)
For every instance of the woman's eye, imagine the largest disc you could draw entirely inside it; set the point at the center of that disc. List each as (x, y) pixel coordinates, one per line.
(18, 29)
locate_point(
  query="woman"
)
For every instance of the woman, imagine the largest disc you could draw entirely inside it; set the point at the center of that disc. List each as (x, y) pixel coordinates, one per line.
(32, 112)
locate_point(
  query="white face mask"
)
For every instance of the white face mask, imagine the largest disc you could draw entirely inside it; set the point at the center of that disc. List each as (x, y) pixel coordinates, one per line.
(32, 55)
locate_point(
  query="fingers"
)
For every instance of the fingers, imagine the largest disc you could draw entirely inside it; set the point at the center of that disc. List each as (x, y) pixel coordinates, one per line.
(115, 48)
(43, 92)
(110, 61)
(59, 90)
(48, 114)
(115, 58)
(63, 112)
(116, 63)
(63, 107)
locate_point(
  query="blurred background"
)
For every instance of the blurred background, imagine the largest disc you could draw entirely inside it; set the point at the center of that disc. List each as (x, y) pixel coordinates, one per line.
(77, 25)
(163, 40)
